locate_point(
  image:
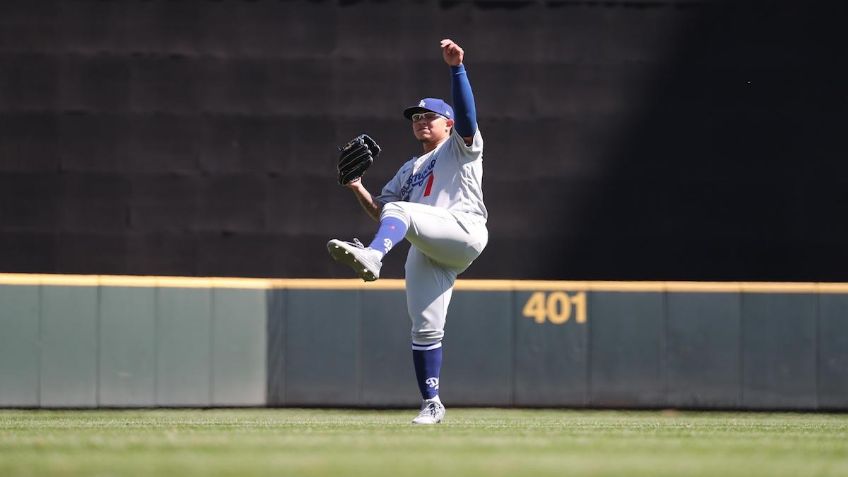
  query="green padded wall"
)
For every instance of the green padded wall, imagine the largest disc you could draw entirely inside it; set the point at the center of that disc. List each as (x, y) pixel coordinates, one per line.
(833, 352)
(69, 346)
(322, 347)
(143, 342)
(140, 345)
(127, 346)
(184, 341)
(779, 351)
(702, 349)
(20, 358)
(551, 357)
(238, 347)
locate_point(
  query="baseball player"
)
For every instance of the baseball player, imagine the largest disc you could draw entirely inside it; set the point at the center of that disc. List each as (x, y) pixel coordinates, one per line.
(435, 201)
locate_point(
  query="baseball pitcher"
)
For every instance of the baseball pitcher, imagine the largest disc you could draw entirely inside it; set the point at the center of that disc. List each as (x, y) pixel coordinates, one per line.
(435, 201)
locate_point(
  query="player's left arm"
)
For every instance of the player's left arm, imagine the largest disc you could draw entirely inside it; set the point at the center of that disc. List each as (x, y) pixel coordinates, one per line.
(366, 200)
(465, 122)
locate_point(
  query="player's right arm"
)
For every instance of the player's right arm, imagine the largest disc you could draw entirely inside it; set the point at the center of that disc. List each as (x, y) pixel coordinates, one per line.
(371, 206)
(463, 99)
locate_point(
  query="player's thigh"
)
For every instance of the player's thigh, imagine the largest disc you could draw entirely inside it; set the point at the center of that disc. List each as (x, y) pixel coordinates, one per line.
(429, 287)
(438, 234)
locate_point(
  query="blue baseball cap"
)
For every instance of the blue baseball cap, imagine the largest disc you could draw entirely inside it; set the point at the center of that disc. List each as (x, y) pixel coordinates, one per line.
(435, 105)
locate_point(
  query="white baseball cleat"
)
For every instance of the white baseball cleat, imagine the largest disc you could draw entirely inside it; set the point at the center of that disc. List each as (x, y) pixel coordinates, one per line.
(432, 412)
(366, 262)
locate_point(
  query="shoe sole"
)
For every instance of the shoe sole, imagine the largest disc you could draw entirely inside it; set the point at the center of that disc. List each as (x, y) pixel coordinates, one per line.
(343, 255)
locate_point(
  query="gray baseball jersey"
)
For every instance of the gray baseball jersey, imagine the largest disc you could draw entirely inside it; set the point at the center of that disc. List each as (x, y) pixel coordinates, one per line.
(449, 177)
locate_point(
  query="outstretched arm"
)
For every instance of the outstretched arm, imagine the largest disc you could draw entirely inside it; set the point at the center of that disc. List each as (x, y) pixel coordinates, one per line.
(463, 98)
(371, 207)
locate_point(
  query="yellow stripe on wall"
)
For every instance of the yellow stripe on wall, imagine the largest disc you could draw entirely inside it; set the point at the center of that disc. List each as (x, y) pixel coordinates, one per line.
(396, 284)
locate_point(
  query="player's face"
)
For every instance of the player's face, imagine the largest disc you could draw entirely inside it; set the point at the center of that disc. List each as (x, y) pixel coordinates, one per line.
(430, 127)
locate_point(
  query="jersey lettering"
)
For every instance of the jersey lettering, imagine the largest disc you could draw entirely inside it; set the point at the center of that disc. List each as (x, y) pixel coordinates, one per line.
(460, 176)
(417, 180)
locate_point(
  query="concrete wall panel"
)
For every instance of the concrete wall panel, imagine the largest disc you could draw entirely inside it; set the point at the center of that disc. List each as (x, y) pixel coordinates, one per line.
(626, 349)
(322, 341)
(40, 151)
(478, 349)
(127, 341)
(184, 347)
(833, 352)
(388, 375)
(20, 307)
(276, 347)
(703, 349)
(69, 351)
(779, 351)
(239, 344)
(551, 359)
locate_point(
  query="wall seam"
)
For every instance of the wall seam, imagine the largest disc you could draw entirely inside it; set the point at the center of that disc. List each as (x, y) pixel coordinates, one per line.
(513, 348)
(587, 396)
(285, 342)
(267, 374)
(817, 344)
(97, 346)
(266, 400)
(358, 348)
(740, 345)
(40, 343)
(156, 326)
(664, 349)
(212, 322)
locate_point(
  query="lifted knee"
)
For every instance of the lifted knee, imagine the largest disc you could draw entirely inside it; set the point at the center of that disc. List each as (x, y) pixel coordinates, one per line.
(393, 209)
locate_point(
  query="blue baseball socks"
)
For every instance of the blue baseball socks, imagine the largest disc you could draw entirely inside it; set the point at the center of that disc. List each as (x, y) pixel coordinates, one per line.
(392, 230)
(428, 364)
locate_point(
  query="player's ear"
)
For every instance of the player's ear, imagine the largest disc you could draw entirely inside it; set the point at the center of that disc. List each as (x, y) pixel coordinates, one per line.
(449, 123)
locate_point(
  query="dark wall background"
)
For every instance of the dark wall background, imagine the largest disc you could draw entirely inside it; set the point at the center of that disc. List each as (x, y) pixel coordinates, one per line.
(625, 140)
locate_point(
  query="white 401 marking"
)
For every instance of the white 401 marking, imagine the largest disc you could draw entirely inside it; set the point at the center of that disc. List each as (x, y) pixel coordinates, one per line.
(555, 307)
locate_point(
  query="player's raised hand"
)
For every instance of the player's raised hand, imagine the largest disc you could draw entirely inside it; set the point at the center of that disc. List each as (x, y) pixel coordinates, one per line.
(451, 52)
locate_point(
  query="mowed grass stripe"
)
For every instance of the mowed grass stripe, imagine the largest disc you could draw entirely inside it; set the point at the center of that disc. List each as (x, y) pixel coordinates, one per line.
(472, 442)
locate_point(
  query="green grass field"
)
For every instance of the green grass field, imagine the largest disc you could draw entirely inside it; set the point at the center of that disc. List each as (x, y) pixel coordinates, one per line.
(472, 442)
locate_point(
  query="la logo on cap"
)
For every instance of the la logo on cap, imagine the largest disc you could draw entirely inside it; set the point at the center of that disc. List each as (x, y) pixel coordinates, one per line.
(422, 103)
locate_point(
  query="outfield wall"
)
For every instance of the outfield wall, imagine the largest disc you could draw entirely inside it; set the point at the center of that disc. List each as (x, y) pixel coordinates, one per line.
(107, 341)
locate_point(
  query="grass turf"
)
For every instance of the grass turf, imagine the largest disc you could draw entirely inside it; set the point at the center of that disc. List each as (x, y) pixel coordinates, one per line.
(471, 442)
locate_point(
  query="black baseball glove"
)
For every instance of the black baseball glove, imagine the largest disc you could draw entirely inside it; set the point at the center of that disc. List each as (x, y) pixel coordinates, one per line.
(356, 157)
